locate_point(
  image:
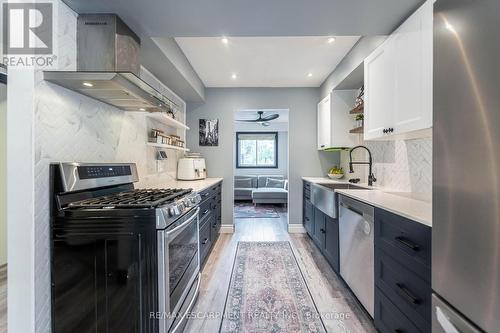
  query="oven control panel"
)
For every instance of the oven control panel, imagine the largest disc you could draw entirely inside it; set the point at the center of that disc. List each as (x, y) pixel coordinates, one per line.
(103, 171)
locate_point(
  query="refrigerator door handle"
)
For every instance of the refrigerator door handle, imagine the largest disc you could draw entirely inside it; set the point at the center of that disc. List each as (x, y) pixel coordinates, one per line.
(445, 322)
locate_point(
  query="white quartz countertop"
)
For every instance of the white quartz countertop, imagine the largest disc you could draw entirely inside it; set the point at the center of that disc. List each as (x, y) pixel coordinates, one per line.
(196, 185)
(413, 206)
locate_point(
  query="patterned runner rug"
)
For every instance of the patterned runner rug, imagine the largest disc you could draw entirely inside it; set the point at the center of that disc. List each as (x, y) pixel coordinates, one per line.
(268, 293)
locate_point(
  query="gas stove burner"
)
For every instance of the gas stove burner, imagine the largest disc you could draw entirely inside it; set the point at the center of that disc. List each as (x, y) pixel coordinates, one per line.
(143, 198)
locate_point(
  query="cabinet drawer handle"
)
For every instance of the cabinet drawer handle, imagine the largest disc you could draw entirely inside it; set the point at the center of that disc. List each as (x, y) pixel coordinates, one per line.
(408, 243)
(407, 294)
(205, 194)
(205, 241)
(206, 211)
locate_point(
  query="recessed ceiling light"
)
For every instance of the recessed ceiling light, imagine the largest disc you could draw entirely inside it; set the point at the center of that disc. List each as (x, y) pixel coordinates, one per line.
(87, 84)
(331, 40)
(309, 74)
(142, 109)
(224, 40)
(234, 76)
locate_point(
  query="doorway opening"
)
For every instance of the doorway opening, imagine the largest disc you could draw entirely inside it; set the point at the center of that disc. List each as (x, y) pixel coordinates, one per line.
(260, 163)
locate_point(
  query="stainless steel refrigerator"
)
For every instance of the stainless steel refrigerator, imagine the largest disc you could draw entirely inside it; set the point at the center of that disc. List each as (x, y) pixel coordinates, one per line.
(466, 166)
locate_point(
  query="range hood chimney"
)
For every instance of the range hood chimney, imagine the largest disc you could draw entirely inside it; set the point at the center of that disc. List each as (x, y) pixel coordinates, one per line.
(108, 66)
(106, 44)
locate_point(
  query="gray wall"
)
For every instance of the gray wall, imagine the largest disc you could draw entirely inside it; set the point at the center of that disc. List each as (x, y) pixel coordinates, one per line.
(304, 159)
(351, 61)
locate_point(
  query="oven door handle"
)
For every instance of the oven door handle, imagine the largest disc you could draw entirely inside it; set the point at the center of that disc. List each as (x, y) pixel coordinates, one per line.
(184, 224)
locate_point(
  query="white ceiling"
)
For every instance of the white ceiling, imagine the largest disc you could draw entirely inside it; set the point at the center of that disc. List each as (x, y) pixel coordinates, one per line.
(264, 61)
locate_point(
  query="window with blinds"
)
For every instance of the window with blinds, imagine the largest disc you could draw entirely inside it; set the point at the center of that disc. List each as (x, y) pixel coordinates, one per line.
(256, 149)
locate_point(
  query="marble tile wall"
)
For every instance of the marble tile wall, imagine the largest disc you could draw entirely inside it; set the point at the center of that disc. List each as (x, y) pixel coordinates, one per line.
(71, 127)
(400, 165)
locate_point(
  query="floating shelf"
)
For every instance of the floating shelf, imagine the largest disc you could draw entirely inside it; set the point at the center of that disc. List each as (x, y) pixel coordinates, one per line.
(163, 118)
(161, 145)
(358, 110)
(357, 130)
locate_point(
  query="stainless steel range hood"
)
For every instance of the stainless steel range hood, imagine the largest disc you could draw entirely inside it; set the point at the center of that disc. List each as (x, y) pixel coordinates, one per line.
(108, 66)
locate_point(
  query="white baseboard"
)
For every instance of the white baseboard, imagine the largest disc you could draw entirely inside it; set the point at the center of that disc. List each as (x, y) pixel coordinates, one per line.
(296, 229)
(227, 229)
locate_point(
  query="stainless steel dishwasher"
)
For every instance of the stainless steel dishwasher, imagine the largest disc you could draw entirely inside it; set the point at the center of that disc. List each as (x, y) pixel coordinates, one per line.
(356, 228)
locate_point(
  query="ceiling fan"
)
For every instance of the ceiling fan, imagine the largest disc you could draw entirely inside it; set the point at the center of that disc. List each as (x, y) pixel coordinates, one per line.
(264, 121)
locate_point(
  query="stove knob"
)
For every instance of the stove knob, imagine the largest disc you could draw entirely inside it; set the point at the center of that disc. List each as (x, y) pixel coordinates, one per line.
(176, 210)
(196, 199)
(171, 211)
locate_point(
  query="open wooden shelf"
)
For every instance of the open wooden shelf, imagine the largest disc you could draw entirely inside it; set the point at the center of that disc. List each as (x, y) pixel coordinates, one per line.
(161, 145)
(358, 110)
(163, 118)
(357, 130)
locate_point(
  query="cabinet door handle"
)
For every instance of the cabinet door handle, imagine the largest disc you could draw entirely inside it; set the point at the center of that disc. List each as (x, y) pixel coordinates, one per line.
(205, 241)
(322, 230)
(408, 243)
(307, 219)
(384, 131)
(205, 195)
(407, 294)
(322, 146)
(206, 212)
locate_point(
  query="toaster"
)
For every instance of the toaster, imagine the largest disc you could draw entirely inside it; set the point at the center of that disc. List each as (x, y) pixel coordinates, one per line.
(191, 169)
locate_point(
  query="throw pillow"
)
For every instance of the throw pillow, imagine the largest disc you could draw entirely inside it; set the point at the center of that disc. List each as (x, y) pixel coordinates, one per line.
(275, 183)
(243, 183)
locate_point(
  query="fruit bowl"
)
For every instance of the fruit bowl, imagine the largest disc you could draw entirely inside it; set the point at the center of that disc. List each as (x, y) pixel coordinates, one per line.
(335, 175)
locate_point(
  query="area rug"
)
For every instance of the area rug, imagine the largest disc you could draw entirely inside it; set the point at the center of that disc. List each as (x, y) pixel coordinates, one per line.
(247, 211)
(268, 293)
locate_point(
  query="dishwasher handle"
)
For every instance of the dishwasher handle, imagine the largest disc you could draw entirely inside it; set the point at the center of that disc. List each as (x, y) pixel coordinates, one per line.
(354, 210)
(357, 207)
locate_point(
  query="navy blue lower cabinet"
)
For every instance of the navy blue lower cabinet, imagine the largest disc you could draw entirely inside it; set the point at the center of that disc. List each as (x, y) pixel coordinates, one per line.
(309, 218)
(319, 228)
(388, 318)
(331, 250)
(402, 274)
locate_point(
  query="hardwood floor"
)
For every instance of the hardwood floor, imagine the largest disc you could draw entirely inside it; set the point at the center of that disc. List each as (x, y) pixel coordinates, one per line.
(3, 299)
(340, 310)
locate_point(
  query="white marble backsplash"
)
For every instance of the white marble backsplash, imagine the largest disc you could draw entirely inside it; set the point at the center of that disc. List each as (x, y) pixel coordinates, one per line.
(400, 165)
(71, 127)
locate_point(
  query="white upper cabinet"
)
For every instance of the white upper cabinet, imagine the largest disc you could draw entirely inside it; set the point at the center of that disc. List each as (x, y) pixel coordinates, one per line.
(334, 120)
(398, 80)
(324, 136)
(380, 84)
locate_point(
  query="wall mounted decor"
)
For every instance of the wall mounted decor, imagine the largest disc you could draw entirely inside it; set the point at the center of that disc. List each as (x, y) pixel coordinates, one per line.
(209, 132)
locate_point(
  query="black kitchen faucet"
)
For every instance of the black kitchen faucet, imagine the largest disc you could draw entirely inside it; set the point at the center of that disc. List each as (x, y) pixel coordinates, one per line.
(371, 176)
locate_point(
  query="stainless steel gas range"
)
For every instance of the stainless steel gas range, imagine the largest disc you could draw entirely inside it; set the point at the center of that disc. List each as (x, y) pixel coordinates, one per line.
(123, 259)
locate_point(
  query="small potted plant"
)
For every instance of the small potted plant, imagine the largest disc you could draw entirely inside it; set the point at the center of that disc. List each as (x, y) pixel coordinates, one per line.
(336, 173)
(359, 120)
